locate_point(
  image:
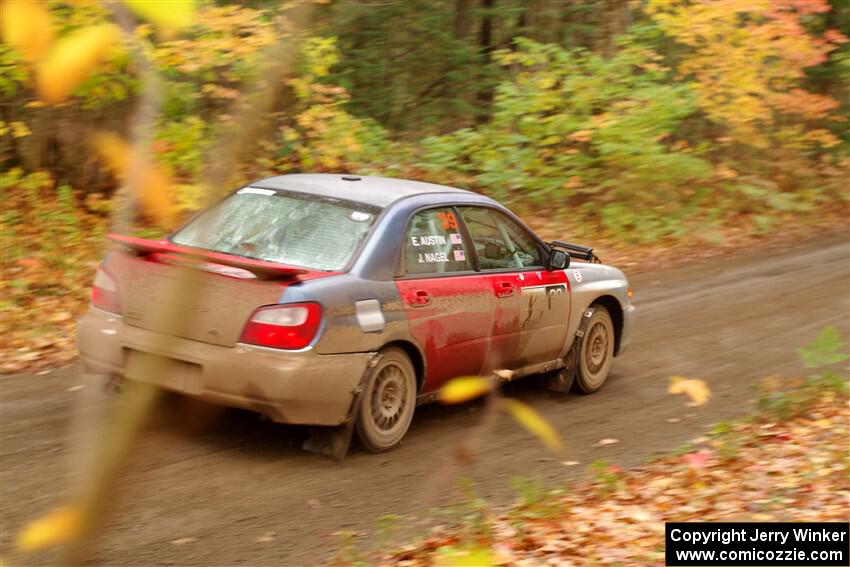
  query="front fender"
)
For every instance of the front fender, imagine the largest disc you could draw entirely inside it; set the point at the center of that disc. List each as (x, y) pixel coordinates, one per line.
(590, 283)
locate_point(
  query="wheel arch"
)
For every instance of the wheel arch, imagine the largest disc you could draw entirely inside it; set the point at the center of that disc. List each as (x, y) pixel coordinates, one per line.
(416, 358)
(612, 305)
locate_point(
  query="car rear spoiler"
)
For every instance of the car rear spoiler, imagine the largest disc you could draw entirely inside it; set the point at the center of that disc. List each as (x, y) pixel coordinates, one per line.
(260, 268)
(576, 251)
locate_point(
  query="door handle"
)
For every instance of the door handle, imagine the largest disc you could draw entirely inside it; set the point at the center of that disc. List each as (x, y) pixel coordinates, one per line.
(420, 298)
(505, 289)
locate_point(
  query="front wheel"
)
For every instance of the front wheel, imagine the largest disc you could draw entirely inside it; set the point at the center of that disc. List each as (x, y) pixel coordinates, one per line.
(596, 352)
(387, 402)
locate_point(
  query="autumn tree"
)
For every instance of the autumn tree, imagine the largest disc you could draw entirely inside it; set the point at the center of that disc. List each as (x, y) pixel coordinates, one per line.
(747, 62)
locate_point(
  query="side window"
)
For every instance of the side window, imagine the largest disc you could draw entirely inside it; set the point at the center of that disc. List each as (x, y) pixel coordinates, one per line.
(433, 244)
(499, 241)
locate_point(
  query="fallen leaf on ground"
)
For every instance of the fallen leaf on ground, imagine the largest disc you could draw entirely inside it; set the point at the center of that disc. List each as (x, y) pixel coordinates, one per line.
(698, 459)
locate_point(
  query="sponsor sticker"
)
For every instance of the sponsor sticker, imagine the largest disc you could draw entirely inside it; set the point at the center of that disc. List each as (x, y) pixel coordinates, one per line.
(577, 275)
(428, 240)
(432, 257)
(459, 255)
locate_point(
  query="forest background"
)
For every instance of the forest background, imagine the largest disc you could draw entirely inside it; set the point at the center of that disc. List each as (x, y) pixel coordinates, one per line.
(636, 126)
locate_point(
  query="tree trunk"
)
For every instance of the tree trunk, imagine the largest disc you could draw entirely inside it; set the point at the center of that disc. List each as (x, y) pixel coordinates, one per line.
(463, 19)
(485, 45)
(614, 20)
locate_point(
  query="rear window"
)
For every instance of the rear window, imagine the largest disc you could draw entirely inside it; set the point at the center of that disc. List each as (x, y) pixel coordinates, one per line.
(290, 228)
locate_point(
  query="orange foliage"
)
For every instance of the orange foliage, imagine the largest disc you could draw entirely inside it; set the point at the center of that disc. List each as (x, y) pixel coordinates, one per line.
(26, 26)
(747, 59)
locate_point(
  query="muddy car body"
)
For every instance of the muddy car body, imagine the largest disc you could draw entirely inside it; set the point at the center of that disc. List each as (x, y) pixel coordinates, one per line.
(335, 300)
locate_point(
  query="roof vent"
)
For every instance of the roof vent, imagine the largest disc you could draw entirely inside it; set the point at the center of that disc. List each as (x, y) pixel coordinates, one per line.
(351, 178)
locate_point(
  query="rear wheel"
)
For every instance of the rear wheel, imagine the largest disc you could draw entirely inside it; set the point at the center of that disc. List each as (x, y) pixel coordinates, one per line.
(387, 402)
(596, 352)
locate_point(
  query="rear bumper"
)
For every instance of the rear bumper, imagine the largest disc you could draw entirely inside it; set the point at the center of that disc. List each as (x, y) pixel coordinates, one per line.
(288, 386)
(628, 323)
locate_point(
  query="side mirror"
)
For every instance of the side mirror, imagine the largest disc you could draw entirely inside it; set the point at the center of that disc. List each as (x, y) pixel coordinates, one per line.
(558, 259)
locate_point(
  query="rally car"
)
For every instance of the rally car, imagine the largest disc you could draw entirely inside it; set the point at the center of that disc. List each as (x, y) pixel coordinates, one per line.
(345, 301)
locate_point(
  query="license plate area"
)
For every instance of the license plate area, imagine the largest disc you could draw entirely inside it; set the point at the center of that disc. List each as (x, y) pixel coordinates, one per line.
(164, 371)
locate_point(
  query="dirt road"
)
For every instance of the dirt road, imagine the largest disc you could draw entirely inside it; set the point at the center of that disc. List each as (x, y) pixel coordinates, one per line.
(242, 494)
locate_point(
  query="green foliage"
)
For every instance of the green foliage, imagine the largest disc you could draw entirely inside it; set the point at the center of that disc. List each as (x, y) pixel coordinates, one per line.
(181, 145)
(470, 511)
(13, 74)
(535, 500)
(726, 439)
(606, 476)
(785, 403)
(570, 126)
(529, 490)
(323, 136)
(404, 66)
(828, 348)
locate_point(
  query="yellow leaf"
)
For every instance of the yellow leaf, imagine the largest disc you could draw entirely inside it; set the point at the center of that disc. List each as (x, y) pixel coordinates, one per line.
(167, 16)
(155, 186)
(464, 389)
(534, 422)
(696, 389)
(26, 25)
(473, 557)
(73, 60)
(59, 526)
(19, 129)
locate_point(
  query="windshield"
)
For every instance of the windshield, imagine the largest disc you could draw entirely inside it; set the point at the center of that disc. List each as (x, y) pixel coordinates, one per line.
(289, 228)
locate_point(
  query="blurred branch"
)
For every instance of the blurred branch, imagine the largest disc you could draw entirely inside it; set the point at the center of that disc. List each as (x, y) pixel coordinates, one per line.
(226, 155)
(142, 126)
(128, 417)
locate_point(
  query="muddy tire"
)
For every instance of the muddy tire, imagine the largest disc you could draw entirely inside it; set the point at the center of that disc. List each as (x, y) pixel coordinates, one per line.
(596, 352)
(387, 402)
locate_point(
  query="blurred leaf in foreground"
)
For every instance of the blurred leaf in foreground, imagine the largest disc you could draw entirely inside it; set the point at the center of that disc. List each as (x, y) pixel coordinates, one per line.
(696, 389)
(155, 186)
(826, 349)
(472, 557)
(166, 16)
(464, 389)
(73, 60)
(57, 527)
(534, 422)
(26, 26)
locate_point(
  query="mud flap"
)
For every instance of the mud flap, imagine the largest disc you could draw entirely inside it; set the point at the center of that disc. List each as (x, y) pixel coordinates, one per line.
(331, 442)
(562, 380)
(334, 442)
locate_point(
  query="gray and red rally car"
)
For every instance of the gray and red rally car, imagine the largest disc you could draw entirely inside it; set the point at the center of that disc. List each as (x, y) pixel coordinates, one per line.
(346, 301)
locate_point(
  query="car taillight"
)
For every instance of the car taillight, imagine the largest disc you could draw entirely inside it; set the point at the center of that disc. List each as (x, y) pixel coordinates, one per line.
(291, 326)
(104, 292)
